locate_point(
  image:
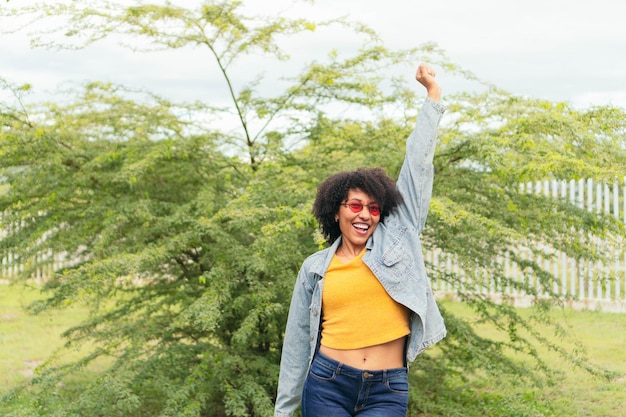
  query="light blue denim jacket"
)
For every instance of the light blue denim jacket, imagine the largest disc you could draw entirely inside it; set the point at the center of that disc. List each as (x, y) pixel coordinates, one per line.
(394, 254)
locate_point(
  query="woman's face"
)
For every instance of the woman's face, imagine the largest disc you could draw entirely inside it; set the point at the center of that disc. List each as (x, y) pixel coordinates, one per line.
(357, 227)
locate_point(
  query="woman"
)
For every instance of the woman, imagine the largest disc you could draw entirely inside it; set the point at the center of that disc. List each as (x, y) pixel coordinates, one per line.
(362, 309)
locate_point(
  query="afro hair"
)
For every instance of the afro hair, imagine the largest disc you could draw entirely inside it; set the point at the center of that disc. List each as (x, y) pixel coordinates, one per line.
(334, 190)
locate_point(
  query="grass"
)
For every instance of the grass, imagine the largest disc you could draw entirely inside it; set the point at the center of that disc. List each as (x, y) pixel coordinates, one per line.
(576, 392)
(27, 340)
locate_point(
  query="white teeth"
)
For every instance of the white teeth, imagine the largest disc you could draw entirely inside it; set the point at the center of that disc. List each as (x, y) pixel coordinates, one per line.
(361, 226)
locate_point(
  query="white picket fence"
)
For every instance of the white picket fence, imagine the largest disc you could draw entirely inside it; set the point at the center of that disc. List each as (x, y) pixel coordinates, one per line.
(588, 284)
(43, 265)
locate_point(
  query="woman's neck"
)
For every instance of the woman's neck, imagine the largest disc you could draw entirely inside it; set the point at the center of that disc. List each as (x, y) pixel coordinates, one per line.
(348, 252)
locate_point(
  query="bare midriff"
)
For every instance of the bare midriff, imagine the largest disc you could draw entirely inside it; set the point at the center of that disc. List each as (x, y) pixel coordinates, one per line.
(373, 358)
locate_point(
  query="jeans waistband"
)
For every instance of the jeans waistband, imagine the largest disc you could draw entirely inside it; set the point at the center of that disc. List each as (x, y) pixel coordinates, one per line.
(343, 369)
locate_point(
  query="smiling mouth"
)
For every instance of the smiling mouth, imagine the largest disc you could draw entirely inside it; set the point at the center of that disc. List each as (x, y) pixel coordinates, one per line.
(361, 228)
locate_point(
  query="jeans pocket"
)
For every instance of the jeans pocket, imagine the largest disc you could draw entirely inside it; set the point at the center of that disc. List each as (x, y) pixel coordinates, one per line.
(322, 372)
(398, 384)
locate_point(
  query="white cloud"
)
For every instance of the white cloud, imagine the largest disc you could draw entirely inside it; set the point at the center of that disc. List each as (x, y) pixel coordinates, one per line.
(599, 98)
(558, 50)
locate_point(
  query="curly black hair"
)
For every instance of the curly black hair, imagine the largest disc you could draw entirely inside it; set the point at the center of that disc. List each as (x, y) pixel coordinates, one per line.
(334, 190)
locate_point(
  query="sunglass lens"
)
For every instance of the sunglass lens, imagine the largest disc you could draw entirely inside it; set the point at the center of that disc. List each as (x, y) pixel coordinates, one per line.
(356, 207)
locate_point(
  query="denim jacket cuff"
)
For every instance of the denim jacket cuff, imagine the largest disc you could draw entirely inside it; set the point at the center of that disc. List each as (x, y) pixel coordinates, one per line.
(436, 105)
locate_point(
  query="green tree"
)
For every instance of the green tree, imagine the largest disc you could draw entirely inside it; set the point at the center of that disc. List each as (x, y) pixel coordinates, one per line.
(187, 238)
(187, 255)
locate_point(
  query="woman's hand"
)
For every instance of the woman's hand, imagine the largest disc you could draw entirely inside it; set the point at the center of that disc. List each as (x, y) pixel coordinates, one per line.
(426, 76)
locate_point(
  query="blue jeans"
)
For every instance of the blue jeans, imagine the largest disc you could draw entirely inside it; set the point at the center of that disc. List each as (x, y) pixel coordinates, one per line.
(333, 389)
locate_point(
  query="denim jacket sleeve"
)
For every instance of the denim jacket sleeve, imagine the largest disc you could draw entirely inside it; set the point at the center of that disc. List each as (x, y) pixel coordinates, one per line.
(415, 181)
(295, 357)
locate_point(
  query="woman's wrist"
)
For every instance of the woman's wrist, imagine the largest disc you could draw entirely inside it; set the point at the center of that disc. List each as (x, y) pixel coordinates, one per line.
(434, 93)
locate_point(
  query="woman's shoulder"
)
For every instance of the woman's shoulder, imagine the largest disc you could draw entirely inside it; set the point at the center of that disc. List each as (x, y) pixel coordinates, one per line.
(395, 231)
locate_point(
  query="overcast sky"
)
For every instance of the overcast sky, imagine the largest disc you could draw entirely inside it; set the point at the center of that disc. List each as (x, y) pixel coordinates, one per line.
(561, 50)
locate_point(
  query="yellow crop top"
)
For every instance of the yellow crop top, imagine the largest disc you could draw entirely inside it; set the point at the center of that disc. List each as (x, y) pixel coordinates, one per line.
(356, 310)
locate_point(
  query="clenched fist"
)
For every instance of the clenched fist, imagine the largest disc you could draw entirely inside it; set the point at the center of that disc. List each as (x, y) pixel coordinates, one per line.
(426, 76)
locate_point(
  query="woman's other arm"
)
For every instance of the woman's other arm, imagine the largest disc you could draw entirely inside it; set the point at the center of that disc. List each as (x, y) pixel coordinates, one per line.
(416, 176)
